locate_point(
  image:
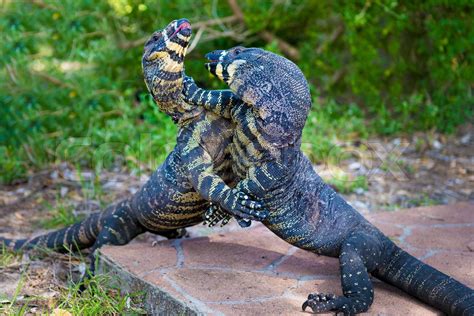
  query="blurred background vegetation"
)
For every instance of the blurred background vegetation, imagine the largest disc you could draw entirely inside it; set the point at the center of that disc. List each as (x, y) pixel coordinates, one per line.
(71, 87)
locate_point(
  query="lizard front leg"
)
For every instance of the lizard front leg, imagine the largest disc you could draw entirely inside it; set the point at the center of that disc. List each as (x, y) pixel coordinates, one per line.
(200, 166)
(219, 102)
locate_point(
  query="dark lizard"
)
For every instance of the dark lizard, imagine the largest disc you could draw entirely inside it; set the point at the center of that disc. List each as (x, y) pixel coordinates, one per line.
(269, 101)
(179, 192)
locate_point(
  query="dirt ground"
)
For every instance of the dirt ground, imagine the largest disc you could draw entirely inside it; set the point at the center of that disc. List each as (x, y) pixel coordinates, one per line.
(423, 169)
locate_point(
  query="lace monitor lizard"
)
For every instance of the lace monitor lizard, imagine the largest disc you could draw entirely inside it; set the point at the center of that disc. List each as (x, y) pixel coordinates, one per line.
(269, 101)
(178, 193)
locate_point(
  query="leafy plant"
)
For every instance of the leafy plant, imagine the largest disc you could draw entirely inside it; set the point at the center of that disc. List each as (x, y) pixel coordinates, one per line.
(72, 88)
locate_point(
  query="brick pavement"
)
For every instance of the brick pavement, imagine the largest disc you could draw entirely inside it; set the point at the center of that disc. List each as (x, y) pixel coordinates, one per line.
(237, 271)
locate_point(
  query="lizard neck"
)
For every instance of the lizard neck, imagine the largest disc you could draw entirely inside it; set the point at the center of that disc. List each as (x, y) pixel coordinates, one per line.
(189, 113)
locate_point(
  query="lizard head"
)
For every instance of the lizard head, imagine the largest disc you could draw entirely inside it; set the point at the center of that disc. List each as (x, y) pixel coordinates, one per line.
(262, 79)
(224, 63)
(274, 86)
(163, 65)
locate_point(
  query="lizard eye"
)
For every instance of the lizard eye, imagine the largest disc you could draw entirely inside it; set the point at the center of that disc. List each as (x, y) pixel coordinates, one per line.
(237, 51)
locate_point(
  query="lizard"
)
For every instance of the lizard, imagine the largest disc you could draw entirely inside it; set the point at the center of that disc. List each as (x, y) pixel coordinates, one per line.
(269, 101)
(197, 171)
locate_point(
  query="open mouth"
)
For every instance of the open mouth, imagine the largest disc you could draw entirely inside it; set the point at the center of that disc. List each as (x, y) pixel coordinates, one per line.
(184, 27)
(214, 56)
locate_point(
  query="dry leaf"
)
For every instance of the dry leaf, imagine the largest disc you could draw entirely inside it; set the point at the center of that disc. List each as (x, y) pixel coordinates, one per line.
(60, 312)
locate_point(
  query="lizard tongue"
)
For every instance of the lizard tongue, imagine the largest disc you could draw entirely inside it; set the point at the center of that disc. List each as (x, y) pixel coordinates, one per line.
(183, 26)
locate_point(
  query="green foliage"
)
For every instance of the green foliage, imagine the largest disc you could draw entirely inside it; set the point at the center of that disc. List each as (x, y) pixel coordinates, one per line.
(59, 216)
(408, 65)
(70, 91)
(7, 256)
(99, 298)
(344, 184)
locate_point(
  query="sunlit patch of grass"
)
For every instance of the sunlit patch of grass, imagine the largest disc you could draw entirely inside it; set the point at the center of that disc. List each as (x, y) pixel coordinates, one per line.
(99, 298)
(343, 183)
(7, 256)
(60, 215)
(12, 306)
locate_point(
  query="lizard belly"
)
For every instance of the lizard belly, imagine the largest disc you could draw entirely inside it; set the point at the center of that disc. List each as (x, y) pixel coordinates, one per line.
(167, 200)
(249, 146)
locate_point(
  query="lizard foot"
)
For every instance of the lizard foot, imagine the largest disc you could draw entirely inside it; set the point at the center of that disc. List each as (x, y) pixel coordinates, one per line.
(321, 302)
(241, 205)
(175, 233)
(214, 215)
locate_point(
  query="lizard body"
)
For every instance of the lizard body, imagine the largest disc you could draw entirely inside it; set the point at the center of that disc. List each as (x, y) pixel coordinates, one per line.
(305, 211)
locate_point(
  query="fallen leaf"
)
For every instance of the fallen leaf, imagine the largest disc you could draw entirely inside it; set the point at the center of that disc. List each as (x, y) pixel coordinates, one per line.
(60, 312)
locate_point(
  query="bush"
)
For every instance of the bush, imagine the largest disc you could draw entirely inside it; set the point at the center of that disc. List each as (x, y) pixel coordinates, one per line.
(72, 87)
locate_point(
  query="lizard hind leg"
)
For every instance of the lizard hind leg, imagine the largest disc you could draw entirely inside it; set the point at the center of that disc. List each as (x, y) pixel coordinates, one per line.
(356, 258)
(118, 228)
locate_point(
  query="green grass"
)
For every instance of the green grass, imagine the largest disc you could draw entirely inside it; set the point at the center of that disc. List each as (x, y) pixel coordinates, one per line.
(60, 215)
(345, 184)
(70, 92)
(423, 200)
(11, 306)
(101, 297)
(7, 256)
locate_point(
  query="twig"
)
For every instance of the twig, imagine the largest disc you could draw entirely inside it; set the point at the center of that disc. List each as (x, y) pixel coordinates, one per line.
(53, 80)
(132, 44)
(11, 73)
(196, 39)
(332, 38)
(30, 154)
(337, 76)
(234, 6)
(286, 48)
(197, 25)
(238, 36)
(43, 5)
(227, 19)
(94, 34)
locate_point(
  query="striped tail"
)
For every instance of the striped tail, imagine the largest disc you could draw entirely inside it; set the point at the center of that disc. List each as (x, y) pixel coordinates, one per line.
(77, 236)
(427, 284)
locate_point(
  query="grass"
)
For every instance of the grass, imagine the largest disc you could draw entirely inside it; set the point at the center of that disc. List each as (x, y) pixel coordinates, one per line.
(424, 200)
(7, 257)
(11, 307)
(99, 298)
(71, 90)
(59, 215)
(343, 183)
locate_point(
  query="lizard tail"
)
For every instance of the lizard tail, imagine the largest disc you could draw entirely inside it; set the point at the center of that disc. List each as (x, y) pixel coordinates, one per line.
(427, 284)
(77, 236)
